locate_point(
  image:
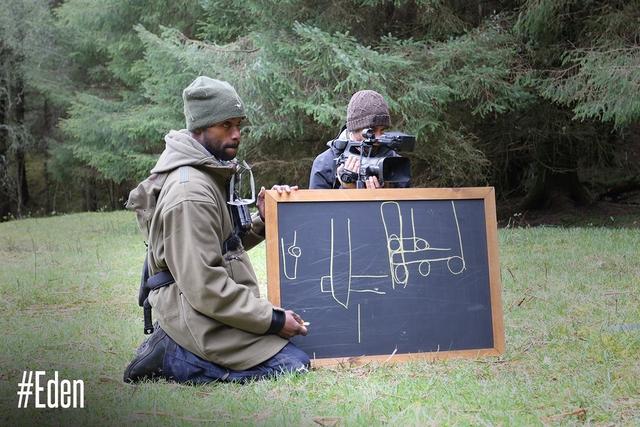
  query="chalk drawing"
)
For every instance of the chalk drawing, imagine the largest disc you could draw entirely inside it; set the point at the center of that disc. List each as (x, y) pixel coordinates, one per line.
(293, 251)
(403, 251)
(330, 278)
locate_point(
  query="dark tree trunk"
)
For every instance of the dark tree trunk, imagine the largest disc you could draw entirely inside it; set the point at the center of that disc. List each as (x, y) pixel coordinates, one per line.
(5, 204)
(555, 189)
(90, 195)
(112, 195)
(618, 191)
(47, 114)
(22, 187)
(5, 195)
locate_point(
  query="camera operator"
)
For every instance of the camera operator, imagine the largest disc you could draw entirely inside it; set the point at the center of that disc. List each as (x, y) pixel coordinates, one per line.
(367, 109)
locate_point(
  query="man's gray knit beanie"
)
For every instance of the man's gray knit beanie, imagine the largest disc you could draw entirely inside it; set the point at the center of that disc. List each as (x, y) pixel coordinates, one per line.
(208, 101)
(367, 108)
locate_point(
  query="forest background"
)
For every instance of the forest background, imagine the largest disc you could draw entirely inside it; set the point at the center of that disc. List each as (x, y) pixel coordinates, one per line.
(537, 98)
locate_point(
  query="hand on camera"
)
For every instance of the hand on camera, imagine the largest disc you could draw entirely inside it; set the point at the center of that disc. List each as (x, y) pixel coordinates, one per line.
(351, 168)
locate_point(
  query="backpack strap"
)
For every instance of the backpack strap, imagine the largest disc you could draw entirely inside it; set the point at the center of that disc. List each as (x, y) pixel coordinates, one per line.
(165, 278)
(148, 284)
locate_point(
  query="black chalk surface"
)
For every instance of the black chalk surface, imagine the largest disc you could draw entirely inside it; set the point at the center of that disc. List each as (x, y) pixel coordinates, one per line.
(386, 277)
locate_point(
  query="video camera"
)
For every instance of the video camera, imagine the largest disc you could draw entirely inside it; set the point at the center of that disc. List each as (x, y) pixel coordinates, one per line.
(373, 152)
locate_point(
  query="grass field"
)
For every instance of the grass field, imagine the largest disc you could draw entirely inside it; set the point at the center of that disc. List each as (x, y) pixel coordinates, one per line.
(571, 297)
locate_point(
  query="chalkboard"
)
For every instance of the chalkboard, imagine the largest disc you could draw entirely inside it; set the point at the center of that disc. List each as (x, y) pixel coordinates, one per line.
(388, 274)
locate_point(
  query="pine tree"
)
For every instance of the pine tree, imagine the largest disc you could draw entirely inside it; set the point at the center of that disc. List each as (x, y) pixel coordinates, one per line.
(524, 95)
(27, 49)
(114, 124)
(583, 60)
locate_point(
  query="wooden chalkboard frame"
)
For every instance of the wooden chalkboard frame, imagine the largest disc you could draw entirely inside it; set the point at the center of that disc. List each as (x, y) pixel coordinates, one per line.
(487, 194)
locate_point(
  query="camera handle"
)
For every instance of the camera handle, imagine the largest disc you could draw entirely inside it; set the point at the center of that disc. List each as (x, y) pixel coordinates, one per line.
(238, 206)
(360, 177)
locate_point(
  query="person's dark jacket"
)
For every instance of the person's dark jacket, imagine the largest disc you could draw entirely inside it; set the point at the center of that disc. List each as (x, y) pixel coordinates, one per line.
(323, 171)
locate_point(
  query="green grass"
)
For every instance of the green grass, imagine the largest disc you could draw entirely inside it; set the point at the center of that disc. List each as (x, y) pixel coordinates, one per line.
(68, 288)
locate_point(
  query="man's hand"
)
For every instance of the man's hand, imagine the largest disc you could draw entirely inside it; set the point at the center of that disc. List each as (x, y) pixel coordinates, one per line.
(372, 182)
(279, 188)
(293, 325)
(352, 164)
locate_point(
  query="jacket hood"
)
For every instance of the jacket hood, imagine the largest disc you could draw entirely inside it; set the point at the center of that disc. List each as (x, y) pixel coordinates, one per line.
(180, 150)
(338, 145)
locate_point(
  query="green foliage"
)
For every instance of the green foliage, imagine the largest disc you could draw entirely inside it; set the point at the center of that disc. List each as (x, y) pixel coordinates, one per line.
(102, 34)
(541, 21)
(297, 86)
(465, 77)
(29, 60)
(118, 114)
(593, 46)
(29, 49)
(599, 84)
(108, 140)
(482, 69)
(228, 20)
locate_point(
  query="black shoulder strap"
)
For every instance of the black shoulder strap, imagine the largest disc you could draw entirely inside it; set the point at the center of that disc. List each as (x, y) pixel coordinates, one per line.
(165, 278)
(148, 284)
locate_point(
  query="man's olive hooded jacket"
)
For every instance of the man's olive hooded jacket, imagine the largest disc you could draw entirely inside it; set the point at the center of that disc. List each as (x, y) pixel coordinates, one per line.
(214, 308)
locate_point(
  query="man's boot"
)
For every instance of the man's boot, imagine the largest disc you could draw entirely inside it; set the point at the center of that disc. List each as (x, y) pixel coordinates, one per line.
(148, 362)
